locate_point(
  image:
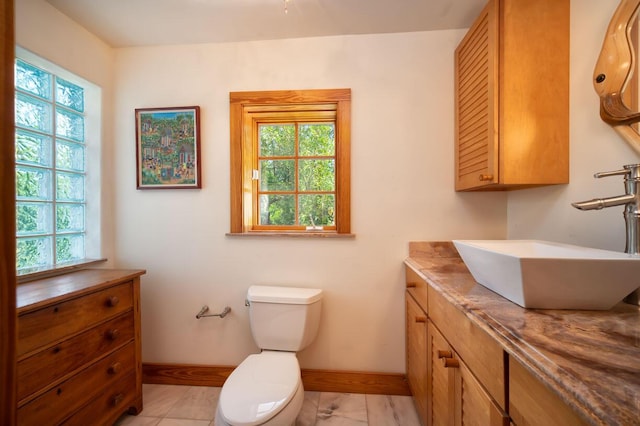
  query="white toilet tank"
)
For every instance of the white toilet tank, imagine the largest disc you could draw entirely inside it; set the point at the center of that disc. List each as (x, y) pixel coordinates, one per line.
(284, 318)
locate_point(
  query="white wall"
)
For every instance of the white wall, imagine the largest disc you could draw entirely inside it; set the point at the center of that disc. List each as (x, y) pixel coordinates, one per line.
(402, 190)
(43, 30)
(546, 213)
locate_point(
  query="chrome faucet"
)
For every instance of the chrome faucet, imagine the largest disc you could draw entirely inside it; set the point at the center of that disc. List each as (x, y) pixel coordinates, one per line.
(631, 202)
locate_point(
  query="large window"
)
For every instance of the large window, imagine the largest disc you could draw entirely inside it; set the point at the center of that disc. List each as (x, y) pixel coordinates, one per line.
(52, 173)
(290, 161)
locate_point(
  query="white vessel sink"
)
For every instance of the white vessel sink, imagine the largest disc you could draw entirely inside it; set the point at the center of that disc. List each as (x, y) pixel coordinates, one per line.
(546, 275)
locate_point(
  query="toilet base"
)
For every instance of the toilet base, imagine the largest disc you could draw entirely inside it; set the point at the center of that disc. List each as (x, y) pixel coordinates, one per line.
(286, 417)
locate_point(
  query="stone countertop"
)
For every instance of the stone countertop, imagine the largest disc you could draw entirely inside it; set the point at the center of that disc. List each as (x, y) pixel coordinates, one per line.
(591, 359)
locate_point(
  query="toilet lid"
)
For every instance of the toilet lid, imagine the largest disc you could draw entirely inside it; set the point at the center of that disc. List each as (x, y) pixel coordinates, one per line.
(259, 388)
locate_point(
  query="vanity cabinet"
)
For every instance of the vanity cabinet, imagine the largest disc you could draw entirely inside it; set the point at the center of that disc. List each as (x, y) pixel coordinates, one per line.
(78, 348)
(455, 371)
(512, 97)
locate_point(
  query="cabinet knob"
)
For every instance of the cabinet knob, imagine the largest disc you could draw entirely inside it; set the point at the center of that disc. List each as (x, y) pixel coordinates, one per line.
(114, 368)
(450, 363)
(113, 301)
(117, 399)
(112, 334)
(445, 354)
(420, 318)
(484, 178)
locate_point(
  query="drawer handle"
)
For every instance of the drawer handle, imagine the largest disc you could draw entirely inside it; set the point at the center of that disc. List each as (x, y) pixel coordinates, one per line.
(114, 368)
(117, 399)
(113, 334)
(411, 285)
(420, 318)
(450, 363)
(445, 354)
(112, 301)
(56, 349)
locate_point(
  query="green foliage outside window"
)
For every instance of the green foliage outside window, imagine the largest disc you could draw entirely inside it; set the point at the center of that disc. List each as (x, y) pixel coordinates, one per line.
(49, 195)
(297, 174)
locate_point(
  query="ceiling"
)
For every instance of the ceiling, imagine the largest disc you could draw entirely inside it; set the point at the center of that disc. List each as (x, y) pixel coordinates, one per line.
(123, 23)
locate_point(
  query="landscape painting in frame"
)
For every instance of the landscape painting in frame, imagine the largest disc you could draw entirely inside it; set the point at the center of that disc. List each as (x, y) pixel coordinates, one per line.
(168, 148)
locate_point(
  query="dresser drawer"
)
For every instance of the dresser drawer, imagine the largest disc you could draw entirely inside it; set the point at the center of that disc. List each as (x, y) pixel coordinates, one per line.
(47, 325)
(52, 364)
(73, 393)
(108, 406)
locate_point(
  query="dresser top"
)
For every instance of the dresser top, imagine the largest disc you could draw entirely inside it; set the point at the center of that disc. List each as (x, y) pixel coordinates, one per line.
(590, 359)
(35, 294)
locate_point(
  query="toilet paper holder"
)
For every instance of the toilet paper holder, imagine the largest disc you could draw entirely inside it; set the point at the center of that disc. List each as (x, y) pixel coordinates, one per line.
(205, 309)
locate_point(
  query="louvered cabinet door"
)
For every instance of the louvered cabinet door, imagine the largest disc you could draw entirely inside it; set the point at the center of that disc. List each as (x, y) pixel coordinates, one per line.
(512, 97)
(476, 79)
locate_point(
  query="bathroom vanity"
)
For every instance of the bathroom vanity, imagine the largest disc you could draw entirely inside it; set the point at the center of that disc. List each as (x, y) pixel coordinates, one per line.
(472, 354)
(78, 348)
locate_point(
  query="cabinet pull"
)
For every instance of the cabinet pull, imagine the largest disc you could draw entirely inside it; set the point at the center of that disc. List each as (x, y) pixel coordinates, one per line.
(484, 178)
(112, 334)
(56, 349)
(445, 354)
(420, 318)
(450, 363)
(114, 368)
(117, 399)
(411, 285)
(112, 301)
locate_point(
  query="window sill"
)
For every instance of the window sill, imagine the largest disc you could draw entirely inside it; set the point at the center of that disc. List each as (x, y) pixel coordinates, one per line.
(303, 234)
(33, 274)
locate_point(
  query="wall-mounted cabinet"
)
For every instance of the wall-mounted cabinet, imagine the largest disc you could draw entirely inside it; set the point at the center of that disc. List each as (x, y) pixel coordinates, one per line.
(512, 97)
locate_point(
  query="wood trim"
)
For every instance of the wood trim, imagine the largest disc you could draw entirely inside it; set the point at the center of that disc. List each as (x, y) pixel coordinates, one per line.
(313, 380)
(355, 382)
(241, 107)
(7, 217)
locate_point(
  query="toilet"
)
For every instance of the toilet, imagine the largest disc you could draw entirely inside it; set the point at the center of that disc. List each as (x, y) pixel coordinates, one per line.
(266, 388)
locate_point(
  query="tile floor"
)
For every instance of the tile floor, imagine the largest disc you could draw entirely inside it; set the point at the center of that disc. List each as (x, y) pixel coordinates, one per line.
(169, 405)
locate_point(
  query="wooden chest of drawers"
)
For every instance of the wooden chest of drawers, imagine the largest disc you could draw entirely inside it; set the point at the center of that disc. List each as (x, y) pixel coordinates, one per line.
(78, 348)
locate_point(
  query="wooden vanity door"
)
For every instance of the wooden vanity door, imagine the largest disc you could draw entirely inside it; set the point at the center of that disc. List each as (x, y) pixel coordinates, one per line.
(440, 389)
(417, 354)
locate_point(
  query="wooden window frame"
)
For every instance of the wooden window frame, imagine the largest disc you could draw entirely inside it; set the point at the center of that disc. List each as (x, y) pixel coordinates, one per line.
(243, 108)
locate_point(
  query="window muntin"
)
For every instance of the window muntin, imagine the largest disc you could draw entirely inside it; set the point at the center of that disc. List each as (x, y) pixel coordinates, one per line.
(296, 163)
(257, 199)
(50, 168)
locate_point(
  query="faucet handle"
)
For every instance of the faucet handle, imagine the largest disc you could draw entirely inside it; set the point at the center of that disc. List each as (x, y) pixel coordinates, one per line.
(623, 172)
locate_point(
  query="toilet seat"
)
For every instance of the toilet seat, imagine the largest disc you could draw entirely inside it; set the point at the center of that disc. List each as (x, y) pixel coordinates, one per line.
(260, 388)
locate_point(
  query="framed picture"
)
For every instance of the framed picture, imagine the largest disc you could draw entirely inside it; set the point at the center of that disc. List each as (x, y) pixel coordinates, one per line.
(168, 148)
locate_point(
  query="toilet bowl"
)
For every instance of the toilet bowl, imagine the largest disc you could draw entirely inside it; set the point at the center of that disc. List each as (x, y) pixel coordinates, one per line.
(266, 388)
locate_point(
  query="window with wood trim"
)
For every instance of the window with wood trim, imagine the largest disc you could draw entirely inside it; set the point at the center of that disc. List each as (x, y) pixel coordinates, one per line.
(290, 165)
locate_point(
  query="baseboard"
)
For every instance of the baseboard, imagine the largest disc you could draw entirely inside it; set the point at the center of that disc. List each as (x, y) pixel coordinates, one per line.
(313, 380)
